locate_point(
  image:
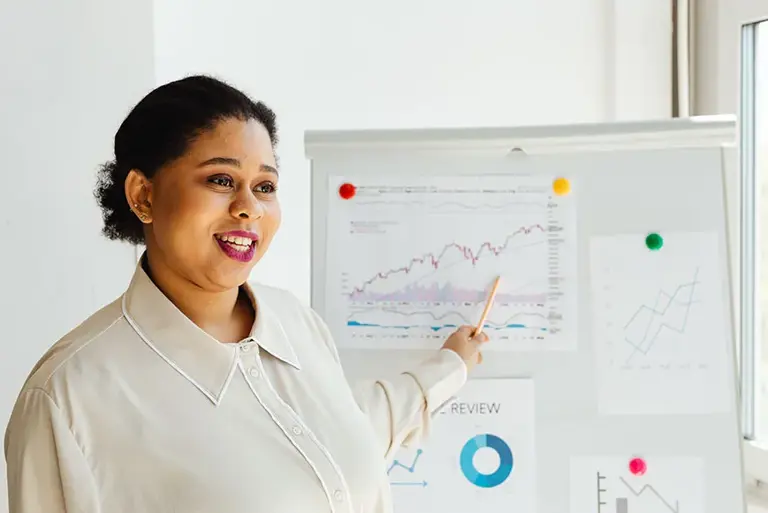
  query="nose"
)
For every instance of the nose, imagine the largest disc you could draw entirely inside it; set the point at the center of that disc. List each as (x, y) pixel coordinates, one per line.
(246, 206)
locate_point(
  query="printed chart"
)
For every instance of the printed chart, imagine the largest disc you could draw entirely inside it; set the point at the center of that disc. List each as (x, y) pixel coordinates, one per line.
(479, 457)
(659, 317)
(606, 485)
(410, 261)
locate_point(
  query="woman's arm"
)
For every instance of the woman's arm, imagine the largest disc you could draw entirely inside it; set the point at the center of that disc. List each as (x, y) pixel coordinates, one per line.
(47, 471)
(401, 407)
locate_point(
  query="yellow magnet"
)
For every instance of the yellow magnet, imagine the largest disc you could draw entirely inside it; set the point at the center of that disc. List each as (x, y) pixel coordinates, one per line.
(561, 186)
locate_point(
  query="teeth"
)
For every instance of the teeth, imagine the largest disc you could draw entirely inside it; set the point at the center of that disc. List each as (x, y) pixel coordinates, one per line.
(239, 241)
(236, 247)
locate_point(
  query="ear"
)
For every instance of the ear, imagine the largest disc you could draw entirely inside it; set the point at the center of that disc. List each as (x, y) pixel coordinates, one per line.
(138, 192)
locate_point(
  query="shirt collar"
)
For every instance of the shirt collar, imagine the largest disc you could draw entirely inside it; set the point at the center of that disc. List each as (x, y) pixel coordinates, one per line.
(204, 361)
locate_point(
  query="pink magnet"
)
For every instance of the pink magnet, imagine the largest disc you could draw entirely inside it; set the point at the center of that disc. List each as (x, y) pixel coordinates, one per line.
(637, 466)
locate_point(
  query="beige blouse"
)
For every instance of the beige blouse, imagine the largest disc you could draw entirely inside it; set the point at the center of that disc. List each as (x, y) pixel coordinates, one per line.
(138, 410)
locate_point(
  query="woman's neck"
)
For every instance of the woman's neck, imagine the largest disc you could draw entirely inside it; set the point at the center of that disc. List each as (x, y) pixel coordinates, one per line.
(226, 315)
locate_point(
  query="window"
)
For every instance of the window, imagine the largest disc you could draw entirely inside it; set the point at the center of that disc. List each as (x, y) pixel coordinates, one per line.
(754, 172)
(760, 168)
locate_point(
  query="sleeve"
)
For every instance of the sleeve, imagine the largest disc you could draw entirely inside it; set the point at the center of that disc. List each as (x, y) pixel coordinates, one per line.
(46, 469)
(402, 407)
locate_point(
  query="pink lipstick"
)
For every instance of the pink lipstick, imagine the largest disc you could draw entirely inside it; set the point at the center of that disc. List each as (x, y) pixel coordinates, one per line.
(238, 245)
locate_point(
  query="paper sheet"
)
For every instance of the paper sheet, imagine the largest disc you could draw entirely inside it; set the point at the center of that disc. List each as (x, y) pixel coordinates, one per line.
(411, 259)
(480, 456)
(659, 321)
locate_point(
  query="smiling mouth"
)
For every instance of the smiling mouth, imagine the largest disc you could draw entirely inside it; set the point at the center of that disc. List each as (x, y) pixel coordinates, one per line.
(237, 247)
(239, 244)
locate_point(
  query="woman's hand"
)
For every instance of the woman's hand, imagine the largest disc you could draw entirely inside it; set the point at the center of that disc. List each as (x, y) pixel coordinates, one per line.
(466, 346)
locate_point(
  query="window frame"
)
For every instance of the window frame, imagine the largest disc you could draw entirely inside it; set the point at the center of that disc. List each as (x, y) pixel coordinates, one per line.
(755, 447)
(748, 321)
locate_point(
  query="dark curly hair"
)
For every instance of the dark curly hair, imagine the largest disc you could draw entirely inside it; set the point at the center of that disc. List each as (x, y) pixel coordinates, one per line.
(158, 130)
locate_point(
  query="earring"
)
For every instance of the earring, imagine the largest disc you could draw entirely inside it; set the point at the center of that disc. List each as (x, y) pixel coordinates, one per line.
(141, 215)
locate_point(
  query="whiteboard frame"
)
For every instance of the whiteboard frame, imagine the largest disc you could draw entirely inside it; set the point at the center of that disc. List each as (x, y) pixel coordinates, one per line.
(678, 132)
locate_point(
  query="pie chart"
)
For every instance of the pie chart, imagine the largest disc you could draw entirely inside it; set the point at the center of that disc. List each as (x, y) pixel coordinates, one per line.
(468, 468)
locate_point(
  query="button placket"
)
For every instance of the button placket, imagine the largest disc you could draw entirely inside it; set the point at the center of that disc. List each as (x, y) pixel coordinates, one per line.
(308, 446)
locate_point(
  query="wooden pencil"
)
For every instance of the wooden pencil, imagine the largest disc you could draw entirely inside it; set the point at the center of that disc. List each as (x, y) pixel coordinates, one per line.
(488, 304)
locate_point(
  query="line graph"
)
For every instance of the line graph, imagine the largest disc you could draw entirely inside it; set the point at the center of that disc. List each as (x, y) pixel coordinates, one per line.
(416, 264)
(652, 490)
(645, 326)
(434, 260)
(410, 469)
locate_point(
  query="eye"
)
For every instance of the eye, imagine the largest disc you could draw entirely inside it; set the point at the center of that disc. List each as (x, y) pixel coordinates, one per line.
(266, 188)
(221, 180)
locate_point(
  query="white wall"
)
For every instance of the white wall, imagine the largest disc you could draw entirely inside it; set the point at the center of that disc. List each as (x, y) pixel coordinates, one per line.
(70, 71)
(350, 64)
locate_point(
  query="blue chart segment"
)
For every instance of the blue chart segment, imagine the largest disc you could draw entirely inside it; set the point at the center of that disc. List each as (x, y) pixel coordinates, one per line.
(449, 320)
(420, 259)
(470, 471)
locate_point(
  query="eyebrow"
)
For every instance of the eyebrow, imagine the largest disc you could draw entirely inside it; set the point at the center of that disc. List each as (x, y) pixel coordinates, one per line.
(229, 161)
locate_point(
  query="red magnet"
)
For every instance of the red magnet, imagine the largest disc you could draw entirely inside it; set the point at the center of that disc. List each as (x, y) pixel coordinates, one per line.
(637, 466)
(347, 190)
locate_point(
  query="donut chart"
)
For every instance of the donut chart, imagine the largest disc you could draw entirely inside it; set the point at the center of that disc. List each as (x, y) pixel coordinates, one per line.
(506, 460)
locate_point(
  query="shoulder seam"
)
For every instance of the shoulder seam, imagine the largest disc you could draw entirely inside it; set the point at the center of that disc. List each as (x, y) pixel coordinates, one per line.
(72, 433)
(84, 344)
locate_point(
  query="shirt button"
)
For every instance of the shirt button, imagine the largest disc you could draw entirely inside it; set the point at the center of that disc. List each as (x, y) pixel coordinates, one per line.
(245, 348)
(254, 372)
(338, 495)
(296, 430)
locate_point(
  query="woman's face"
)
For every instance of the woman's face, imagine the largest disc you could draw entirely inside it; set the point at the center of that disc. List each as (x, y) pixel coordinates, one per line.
(214, 211)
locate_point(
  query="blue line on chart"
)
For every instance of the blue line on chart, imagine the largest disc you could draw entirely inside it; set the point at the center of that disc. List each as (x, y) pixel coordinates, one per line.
(656, 312)
(505, 323)
(356, 324)
(408, 468)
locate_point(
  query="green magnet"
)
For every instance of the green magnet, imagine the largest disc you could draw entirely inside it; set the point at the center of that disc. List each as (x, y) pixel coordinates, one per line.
(654, 241)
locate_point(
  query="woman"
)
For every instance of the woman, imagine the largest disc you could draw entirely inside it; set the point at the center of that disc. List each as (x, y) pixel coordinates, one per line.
(195, 391)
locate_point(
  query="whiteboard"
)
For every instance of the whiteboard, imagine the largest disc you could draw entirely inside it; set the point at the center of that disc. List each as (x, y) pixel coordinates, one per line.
(618, 422)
